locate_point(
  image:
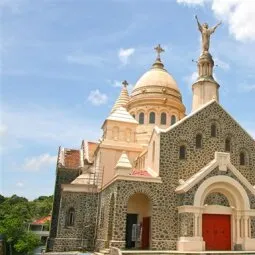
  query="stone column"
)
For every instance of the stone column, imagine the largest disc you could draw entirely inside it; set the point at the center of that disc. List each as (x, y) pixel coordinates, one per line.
(245, 223)
(237, 218)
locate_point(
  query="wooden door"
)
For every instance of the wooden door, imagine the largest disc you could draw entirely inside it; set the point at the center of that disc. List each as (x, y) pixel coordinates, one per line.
(217, 231)
(146, 233)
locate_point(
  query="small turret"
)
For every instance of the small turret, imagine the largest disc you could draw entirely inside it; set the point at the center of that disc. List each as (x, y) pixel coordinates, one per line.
(123, 98)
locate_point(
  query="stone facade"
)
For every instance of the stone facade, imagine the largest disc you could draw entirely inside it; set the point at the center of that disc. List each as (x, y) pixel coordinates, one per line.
(100, 218)
(62, 176)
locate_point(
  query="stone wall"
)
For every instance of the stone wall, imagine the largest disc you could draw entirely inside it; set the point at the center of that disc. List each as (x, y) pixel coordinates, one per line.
(185, 133)
(63, 176)
(82, 233)
(186, 224)
(216, 198)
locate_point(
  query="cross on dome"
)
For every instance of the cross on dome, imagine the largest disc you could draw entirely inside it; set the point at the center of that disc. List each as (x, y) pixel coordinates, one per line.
(125, 83)
(159, 49)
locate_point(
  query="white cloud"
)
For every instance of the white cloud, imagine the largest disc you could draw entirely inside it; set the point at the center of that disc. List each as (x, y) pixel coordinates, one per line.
(125, 54)
(13, 5)
(40, 163)
(116, 84)
(223, 65)
(3, 130)
(50, 126)
(20, 184)
(191, 2)
(97, 98)
(191, 78)
(238, 14)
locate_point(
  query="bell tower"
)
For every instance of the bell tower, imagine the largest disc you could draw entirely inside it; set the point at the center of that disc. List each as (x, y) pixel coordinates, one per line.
(205, 88)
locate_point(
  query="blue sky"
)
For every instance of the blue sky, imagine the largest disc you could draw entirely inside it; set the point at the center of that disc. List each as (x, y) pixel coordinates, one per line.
(62, 62)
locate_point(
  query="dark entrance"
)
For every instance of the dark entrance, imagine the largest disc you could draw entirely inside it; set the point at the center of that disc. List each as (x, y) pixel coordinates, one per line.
(217, 231)
(146, 233)
(131, 220)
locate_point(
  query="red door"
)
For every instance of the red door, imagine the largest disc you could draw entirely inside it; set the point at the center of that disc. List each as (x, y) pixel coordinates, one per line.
(146, 233)
(217, 231)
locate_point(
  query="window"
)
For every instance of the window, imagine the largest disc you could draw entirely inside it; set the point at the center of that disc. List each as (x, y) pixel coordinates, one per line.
(173, 119)
(141, 118)
(115, 133)
(152, 118)
(182, 153)
(163, 118)
(242, 158)
(227, 145)
(198, 141)
(70, 217)
(213, 130)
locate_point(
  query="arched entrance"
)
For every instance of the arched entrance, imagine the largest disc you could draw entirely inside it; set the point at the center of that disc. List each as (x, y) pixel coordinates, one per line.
(138, 221)
(222, 221)
(216, 226)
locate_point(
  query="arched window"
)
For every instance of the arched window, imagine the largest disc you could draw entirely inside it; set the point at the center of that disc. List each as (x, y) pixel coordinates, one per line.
(115, 133)
(242, 159)
(213, 130)
(198, 141)
(182, 153)
(227, 145)
(152, 118)
(70, 217)
(173, 119)
(163, 118)
(141, 118)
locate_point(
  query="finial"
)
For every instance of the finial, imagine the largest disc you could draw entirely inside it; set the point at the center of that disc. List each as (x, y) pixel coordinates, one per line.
(125, 83)
(158, 49)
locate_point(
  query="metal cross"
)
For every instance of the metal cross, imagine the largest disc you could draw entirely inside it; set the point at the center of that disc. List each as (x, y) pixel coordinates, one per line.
(125, 83)
(158, 49)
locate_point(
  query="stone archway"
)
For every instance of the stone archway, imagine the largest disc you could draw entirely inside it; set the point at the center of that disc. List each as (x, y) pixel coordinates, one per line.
(233, 213)
(138, 221)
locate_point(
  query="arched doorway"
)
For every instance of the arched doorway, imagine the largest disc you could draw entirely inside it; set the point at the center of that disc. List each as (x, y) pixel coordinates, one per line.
(138, 221)
(216, 222)
(223, 222)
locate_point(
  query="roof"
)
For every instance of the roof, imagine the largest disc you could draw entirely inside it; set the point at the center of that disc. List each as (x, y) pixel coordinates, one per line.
(72, 158)
(156, 76)
(123, 98)
(123, 162)
(137, 172)
(42, 220)
(89, 149)
(121, 114)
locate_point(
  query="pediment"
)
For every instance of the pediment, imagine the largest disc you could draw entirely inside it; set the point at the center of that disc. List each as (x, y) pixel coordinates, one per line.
(222, 161)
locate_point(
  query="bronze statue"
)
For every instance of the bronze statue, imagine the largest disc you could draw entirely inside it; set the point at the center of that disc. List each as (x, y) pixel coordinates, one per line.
(206, 33)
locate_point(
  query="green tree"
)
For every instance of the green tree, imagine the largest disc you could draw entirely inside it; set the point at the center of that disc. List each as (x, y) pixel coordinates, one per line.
(27, 243)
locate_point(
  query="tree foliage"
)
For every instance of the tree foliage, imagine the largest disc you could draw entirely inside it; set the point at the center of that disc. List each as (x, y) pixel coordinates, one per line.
(15, 215)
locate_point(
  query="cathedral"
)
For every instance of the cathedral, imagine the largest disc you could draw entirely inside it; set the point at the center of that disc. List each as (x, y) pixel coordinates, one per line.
(158, 178)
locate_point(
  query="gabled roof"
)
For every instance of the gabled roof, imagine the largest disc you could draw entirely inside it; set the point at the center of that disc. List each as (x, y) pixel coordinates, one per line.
(121, 114)
(213, 101)
(221, 160)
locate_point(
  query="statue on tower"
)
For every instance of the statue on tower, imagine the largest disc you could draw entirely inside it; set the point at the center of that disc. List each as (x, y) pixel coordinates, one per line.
(206, 33)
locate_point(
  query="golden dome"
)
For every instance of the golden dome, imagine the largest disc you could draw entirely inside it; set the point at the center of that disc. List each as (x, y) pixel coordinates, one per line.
(156, 76)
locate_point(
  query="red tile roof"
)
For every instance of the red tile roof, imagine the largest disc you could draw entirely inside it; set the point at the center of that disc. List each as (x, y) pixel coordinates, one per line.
(136, 172)
(42, 220)
(72, 158)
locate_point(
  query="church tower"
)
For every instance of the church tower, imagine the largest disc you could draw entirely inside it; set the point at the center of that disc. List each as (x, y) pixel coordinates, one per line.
(205, 88)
